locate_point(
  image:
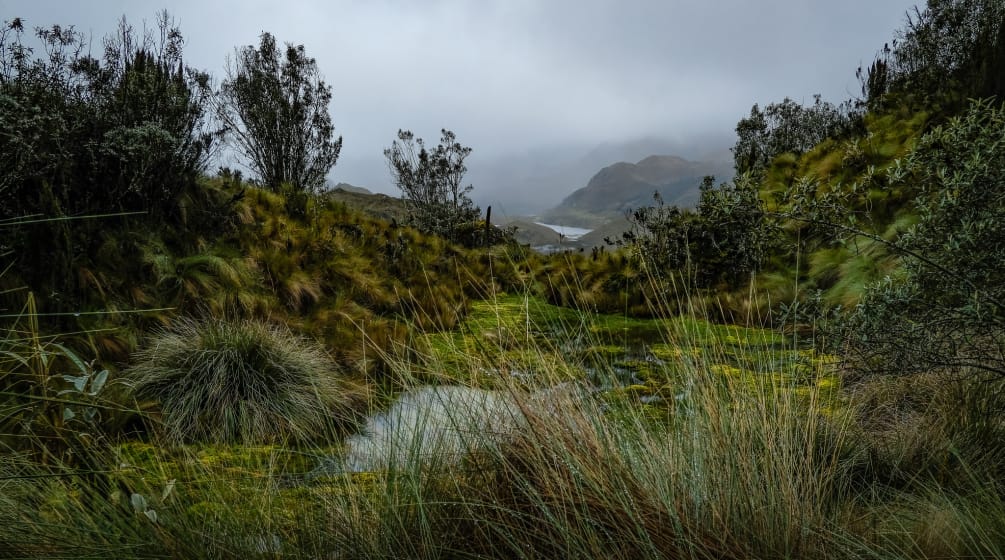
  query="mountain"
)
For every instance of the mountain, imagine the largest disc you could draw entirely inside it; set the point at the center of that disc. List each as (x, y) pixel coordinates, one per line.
(352, 188)
(618, 188)
(528, 182)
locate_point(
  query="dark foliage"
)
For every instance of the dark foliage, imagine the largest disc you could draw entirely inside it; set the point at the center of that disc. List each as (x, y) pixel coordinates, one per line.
(946, 309)
(275, 104)
(951, 50)
(719, 244)
(85, 137)
(432, 183)
(788, 127)
(126, 133)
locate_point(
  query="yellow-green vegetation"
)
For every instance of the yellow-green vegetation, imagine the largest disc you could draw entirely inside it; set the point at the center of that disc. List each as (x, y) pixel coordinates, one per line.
(330, 271)
(213, 369)
(525, 340)
(772, 458)
(840, 184)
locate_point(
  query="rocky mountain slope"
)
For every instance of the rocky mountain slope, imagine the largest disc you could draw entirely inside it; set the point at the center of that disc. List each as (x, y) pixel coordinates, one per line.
(618, 188)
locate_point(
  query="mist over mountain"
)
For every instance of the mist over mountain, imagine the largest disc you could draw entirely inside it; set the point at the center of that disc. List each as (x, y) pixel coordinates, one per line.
(352, 188)
(532, 182)
(620, 187)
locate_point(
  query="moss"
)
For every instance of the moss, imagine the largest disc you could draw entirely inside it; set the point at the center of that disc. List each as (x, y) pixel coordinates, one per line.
(191, 463)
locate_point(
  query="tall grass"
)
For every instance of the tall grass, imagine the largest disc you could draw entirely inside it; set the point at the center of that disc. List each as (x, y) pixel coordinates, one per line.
(730, 470)
(768, 460)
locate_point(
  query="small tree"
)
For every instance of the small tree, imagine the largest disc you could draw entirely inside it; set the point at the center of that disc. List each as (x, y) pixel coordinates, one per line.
(276, 107)
(719, 244)
(431, 182)
(787, 127)
(945, 308)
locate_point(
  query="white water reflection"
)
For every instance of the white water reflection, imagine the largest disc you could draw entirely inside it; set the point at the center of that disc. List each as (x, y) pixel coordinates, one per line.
(431, 425)
(568, 232)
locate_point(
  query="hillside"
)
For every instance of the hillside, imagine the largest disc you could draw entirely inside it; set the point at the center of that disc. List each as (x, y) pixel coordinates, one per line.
(618, 188)
(530, 233)
(804, 361)
(377, 205)
(352, 188)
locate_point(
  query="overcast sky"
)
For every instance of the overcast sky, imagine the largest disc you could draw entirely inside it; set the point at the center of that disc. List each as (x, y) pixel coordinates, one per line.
(511, 77)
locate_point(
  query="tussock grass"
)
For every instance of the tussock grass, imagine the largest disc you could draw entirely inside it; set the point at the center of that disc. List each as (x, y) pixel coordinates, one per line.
(239, 381)
(743, 447)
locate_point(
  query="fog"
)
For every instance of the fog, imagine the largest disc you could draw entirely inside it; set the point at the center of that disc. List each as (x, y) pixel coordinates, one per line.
(545, 92)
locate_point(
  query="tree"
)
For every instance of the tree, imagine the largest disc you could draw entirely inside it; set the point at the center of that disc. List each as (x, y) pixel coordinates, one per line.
(719, 244)
(276, 107)
(954, 47)
(787, 127)
(945, 308)
(431, 182)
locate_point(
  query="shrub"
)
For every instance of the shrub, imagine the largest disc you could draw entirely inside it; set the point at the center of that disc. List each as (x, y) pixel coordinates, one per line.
(431, 183)
(223, 381)
(944, 309)
(721, 242)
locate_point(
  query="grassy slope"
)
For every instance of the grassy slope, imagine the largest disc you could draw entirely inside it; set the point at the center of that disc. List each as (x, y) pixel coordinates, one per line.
(734, 462)
(706, 440)
(850, 174)
(337, 273)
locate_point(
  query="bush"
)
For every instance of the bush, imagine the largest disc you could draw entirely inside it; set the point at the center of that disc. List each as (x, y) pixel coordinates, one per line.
(84, 137)
(222, 381)
(949, 51)
(721, 243)
(432, 183)
(944, 309)
(788, 127)
(127, 133)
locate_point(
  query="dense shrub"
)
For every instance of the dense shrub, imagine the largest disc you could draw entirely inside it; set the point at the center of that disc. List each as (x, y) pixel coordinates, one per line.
(949, 51)
(125, 133)
(223, 381)
(84, 137)
(719, 244)
(788, 127)
(945, 308)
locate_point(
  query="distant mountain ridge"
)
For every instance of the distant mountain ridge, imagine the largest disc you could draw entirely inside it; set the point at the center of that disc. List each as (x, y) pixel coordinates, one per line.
(622, 186)
(352, 188)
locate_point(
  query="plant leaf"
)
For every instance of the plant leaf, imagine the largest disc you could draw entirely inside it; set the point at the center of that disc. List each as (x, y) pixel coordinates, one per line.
(79, 381)
(139, 502)
(98, 382)
(168, 489)
(23, 361)
(68, 414)
(81, 366)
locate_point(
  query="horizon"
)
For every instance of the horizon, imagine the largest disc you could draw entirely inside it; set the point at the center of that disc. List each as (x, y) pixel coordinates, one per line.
(546, 94)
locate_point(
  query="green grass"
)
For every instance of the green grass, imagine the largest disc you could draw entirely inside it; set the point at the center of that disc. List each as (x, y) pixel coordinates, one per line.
(528, 335)
(669, 436)
(752, 450)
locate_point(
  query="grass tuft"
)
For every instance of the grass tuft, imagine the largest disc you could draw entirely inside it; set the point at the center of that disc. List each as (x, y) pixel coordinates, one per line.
(239, 381)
